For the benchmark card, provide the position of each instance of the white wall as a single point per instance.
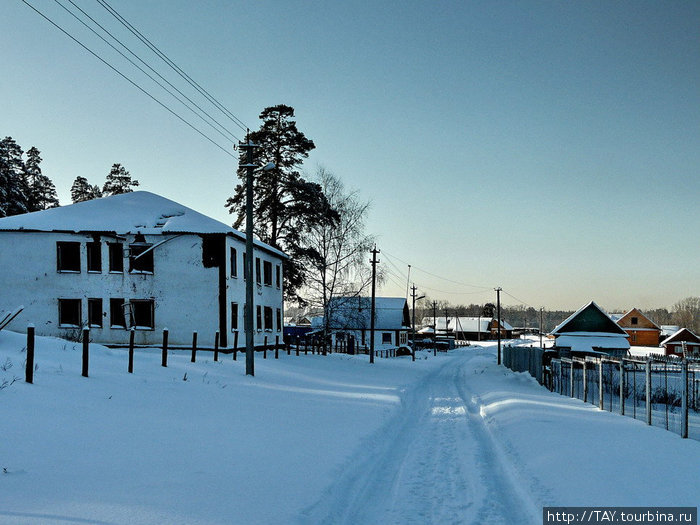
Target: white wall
(263, 295)
(186, 294)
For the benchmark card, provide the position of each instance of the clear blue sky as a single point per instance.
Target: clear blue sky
(551, 148)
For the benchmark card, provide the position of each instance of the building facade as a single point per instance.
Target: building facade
(641, 331)
(137, 261)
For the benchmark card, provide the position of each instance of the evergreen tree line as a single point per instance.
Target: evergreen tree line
(24, 188)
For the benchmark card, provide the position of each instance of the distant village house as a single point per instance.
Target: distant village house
(349, 321)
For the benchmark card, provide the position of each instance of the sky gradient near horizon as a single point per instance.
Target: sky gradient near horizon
(550, 148)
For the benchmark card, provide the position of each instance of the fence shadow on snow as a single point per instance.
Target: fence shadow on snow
(664, 392)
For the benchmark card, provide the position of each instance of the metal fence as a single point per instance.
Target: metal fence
(663, 392)
(524, 359)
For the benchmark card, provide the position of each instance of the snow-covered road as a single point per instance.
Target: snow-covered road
(436, 461)
(448, 439)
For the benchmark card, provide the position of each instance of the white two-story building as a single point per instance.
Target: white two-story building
(136, 260)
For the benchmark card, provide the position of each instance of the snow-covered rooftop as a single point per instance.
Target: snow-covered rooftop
(136, 212)
(587, 341)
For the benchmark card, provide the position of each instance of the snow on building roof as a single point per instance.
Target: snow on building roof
(587, 341)
(464, 324)
(391, 313)
(681, 335)
(128, 213)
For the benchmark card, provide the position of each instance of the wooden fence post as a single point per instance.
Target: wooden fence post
(235, 344)
(600, 384)
(86, 351)
(571, 378)
(216, 346)
(164, 356)
(288, 347)
(194, 347)
(622, 387)
(684, 399)
(265, 348)
(29, 368)
(585, 380)
(130, 368)
(277, 347)
(647, 375)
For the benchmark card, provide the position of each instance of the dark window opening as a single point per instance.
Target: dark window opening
(268, 318)
(69, 312)
(141, 259)
(635, 320)
(94, 257)
(234, 263)
(143, 310)
(257, 270)
(95, 313)
(234, 316)
(386, 338)
(279, 320)
(278, 275)
(259, 318)
(117, 319)
(68, 256)
(267, 272)
(116, 257)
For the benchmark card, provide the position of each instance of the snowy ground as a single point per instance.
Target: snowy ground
(312, 439)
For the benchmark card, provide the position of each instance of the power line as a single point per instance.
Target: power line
(225, 133)
(519, 300)
(133, 83)
(172, 64)
(438, 276)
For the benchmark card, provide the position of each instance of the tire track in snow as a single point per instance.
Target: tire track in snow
(509, 500)
(419, 468)
(435, 461)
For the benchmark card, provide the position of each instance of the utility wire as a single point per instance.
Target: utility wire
(438, 276)
(225, 133)
(164, 106)
(519, 300)
(172, 64)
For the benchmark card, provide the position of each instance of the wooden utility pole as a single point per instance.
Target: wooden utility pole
(541, 313)
(413, 324)
(498, 310)
(374, 262)
(447, 324)
(435, 320)
(249, 165)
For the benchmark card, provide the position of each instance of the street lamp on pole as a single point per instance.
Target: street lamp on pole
(250, 166)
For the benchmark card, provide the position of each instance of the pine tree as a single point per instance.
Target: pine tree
(285, 205)
(82, 190)
(42, 192)
(118, 181)
(13, 188)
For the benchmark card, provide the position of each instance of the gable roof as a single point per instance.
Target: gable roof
(391, 313)
(681, 335)
(590, 318)
(128, 213)
(634, 312)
